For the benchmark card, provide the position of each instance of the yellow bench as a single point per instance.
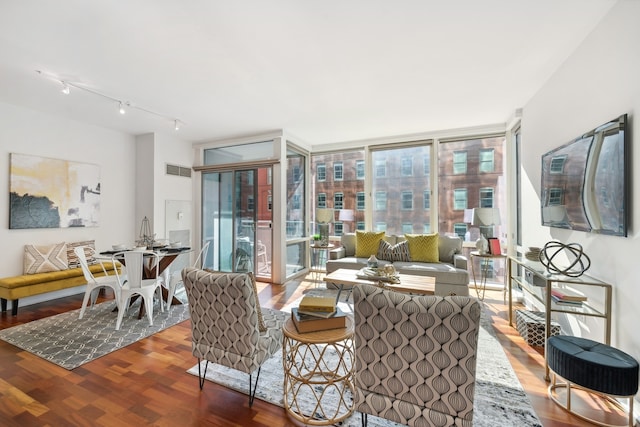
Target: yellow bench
(14, 288)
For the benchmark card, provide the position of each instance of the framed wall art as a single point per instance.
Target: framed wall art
(53, 193)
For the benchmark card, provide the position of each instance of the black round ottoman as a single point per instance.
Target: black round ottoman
(594, 367)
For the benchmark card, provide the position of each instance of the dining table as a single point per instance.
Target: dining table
(166, 255)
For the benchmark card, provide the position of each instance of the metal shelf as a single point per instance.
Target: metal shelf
(518, 267)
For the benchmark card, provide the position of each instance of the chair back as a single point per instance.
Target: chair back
(82, 259)
(134, 262)
(415, 356)
(224, 317)
(202, 256)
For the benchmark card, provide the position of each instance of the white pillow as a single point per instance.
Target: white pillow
(45, 258)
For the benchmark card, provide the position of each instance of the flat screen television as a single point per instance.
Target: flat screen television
(585, 184)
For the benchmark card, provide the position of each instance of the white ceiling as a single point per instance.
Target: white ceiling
(324, 70)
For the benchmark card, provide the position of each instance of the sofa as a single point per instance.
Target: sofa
(445, 262)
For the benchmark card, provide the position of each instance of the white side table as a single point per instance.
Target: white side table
(485, 264)
(319, 257)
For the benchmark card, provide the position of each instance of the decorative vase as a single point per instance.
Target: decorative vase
(482, 245)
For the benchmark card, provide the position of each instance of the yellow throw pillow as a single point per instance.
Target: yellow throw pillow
(423, 247)
(367, 243)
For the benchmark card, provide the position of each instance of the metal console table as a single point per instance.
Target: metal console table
(522, 272)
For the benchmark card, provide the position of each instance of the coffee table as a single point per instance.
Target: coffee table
(410, 283)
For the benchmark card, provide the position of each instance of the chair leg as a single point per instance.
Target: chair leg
(148, 306)
(252, 393)
(85, 301)
(363, 419)
(202, 376)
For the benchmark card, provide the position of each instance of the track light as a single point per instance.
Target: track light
(122, 106)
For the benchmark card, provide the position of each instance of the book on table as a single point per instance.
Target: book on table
(310, 323)
(321, 304)
(567, 295)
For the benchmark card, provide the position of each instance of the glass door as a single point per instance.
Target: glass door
(236, 218)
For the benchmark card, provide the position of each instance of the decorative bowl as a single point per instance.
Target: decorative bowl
(175, 245)
(140, 248)
(119, 247)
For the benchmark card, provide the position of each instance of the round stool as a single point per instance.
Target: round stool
(594, 367)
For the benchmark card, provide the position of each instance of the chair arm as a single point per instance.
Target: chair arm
(337, 253)
(460, 261)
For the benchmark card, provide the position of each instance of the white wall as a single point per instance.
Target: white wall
(598, 82)
(133, 182)
(30, 132)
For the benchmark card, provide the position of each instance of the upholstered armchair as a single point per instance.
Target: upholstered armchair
(228, 325)
(415, 356)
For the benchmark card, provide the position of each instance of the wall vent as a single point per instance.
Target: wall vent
(178, 170)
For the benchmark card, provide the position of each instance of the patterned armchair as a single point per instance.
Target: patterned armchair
(228, 325)
(415, 357)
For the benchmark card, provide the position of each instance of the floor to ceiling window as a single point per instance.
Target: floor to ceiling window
(296, 235)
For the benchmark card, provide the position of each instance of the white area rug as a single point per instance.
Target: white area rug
(499, 397)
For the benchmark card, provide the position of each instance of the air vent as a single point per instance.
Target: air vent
(178, 170)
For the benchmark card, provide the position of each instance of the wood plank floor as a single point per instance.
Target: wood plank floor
(146, 384)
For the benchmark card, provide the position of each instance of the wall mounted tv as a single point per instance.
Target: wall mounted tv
(585, 184)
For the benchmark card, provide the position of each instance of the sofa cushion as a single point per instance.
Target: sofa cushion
(45, 258)
(367, 243)
(423, 247)
(397, 252)
(348, 240)
(89, 253)
(448, 246)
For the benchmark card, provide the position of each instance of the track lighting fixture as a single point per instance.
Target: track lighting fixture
(122, 106)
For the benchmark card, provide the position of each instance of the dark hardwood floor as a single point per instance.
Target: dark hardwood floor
(146, 384)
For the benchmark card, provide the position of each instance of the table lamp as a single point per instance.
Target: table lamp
(345, 215)
(324, 216)
(485, 218)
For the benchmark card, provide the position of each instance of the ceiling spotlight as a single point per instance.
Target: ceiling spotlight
(176, 124)
(122, 110)
(65, 88)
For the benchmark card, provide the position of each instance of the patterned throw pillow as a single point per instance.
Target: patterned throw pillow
(397, 252)
(45, 258)
(89, 253)
(367, 243)
(423, 247)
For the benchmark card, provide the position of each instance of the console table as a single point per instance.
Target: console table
(535, 281)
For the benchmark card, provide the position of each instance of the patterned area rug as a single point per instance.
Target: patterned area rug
(499, 398)
(69, 342)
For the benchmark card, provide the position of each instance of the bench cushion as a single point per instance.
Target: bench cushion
(17, 287)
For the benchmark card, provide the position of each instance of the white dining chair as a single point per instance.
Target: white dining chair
(94, 283)
(136, 284)
(176, 276)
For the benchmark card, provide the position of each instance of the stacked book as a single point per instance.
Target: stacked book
(317, 313)
(567, 297)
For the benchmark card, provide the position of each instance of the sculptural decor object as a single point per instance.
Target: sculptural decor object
(579, 262)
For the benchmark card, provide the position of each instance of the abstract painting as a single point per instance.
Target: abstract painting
(53, 193)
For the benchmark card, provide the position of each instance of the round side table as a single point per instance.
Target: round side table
(318, 374)
(485, 264)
